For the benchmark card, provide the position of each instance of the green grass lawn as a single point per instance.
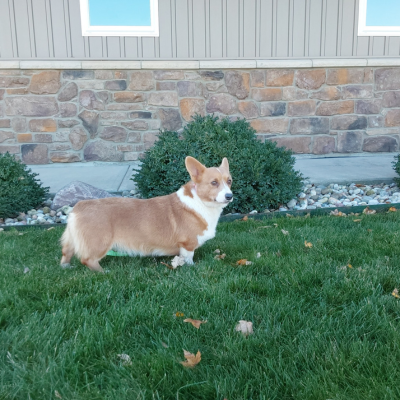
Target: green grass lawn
(322, 329)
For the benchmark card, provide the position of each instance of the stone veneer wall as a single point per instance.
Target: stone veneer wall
(114, 115)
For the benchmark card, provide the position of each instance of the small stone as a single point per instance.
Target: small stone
(292, 203)
(323, 200)
(310, 79)
(253, 212)
(26, 270)
(46, 210)
(373, 202)
(68, 92)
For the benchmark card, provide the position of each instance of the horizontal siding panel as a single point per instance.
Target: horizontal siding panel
(199, 29)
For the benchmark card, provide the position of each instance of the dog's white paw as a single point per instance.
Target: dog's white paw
(67, 266)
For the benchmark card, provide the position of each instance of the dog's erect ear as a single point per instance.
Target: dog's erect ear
(225, 164)
(195, 168)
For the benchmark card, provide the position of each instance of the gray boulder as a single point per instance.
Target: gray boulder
(76, 191)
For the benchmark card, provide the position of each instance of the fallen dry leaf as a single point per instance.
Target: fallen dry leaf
(258, 255)
(51, 228)
(275, 225)
(177, 261)
(58, 395)
(356, 220)
(245, 327)
(167, 265)
(179, 314)
(195, 322)
(264, 226)
(163, 344)
(289, 215)
(243, 261)
(245, 218)
(278, 253)
(368, 211)
(349, 266)
(285, 232)
(126, 360)
(1, 229)
(369, 230)
(20, 234)
(308, 244)
(220, 256)
(392, 209)
(217, 251)
(395, 293)
(26, 270)
(191, 359)
(337, 213)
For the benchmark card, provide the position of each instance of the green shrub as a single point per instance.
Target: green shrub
(396, 167)
(19, 190)
(263, 174)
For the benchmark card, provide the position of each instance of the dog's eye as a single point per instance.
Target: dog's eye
(229, 182)
(214, 183)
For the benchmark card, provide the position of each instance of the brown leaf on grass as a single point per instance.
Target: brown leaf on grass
(245, 218)
(308, 244)
(126, 360)
(167, 265)
(58, 395)
(195, 322)
(285, 232)
(349, 266)
(264, 226)
(163, 344)
(177, 261)
(392, 209)
(368, 211)
(289, 215)
(220, 256)
(179, 314)
(395, 293)
(243, 261)
(51, 228)
(356, 220)
(245, 327)
(275, 225)
(191, 359)
(278, 253)
(217, 251)
(337, 213)
(369, 230)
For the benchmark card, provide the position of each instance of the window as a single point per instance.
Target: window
(119, 17)
(379, 18)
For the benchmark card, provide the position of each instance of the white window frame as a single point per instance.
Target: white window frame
(88, 30)
(364, 30)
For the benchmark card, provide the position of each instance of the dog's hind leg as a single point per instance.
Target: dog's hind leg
(67, 249)
(92, 264)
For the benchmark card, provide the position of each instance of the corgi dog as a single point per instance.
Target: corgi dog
(176, 224)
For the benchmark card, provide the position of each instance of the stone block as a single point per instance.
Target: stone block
(368, 75)
(344, 76)
(300, 108)
(266, 94)
(387, 78)
(222, 103)
(78, 138)
(134, 137)
(299, 145)
(77, 74)
(309, 126)
(279, 77)
(392, 118)
(216, 86)
(391, 99)
(166, 99)
(186, 88)
(68, 92)
(324, 145)
(326, 93)
(119, 84)
(141, 80)
(100, 150)
(348, 122)
(61, 136)
(372, 106)
(67, 123)
(125, 106)
(237, 83)
(42, 125)
(189, 107)
(89, 100)
(270, 125)
(137, 125)
(12, 149)
(336, 107)
(149, 138)
(5, 123)
(114, 134)
(90, 120)
(46, 82)
(59, 146)
(170, 119)
(272, 109)
(113, 115)
(13, 82)
(2, 91)
(31, 106)
(128, 97)
(376, 121)
(34, 154)
(257, 78)
(248, 109)
(173, 75)
(310, 79)
(24, 138)
(17, 91)
(64, 157)
(292, 93)
(350, 142)
(43, 138)
(140, 114)
(5, 135)
(212, 75)
(90, 85)
(166, 85)
(380, 144)
(357, 92)
(120, 74)
(67, 110)
(103, 74)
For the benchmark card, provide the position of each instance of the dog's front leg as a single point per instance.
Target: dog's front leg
(187, 255)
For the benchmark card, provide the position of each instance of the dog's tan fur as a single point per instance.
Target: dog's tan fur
(160, 226)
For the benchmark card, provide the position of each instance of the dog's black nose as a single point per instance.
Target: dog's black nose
(229, 196)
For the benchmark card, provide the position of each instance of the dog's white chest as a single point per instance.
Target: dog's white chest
(208, 234)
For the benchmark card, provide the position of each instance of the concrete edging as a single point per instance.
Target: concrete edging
(201, 64)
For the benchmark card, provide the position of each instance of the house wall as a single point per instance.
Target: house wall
(195, 29)
(115, 115)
